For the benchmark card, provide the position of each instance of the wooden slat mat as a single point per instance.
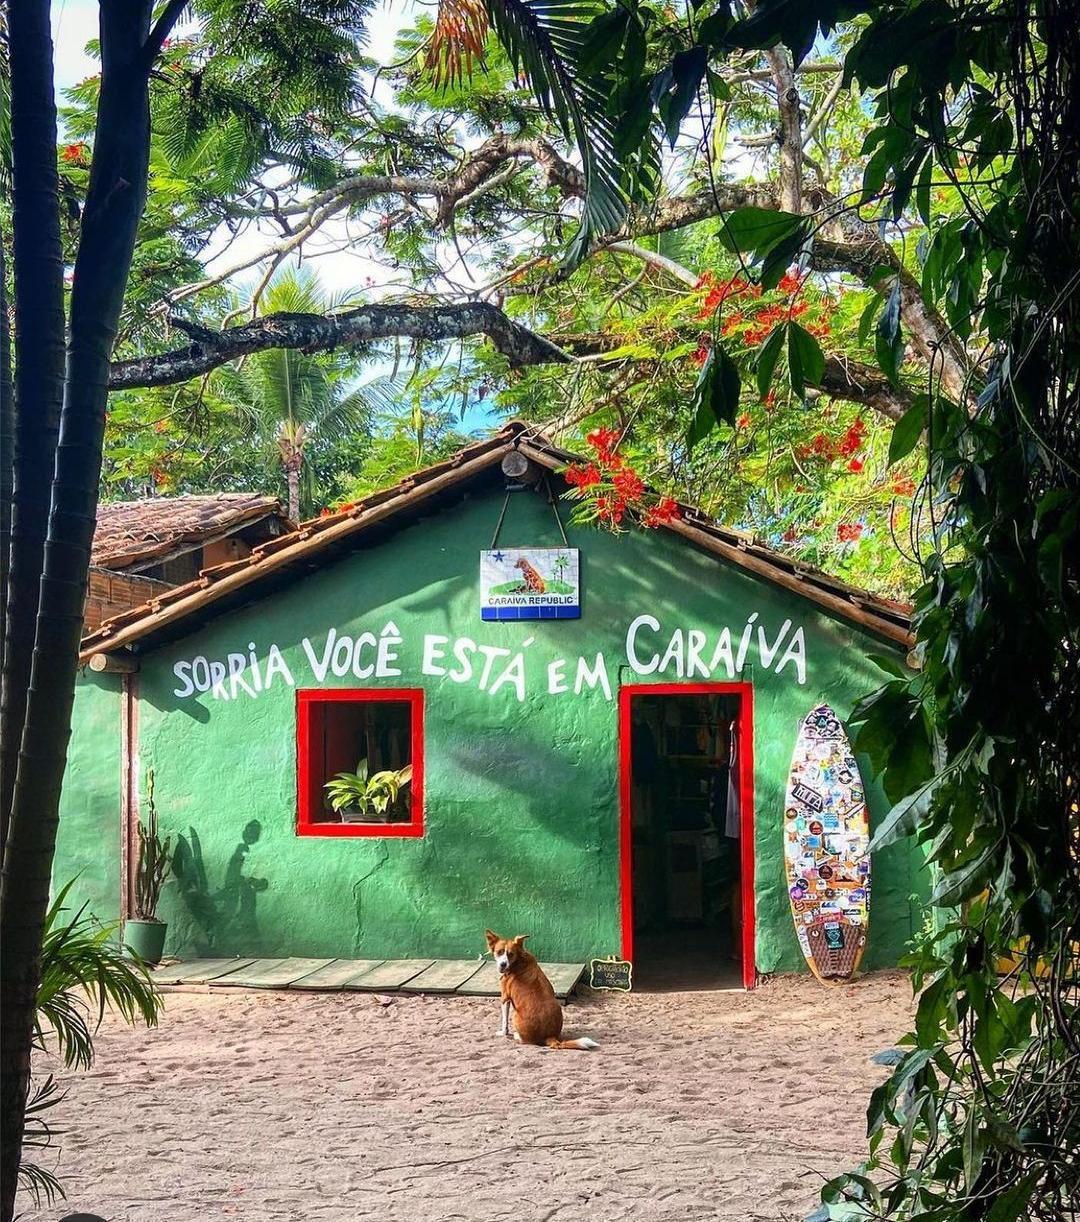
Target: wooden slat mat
(484, 984)
(444, 976)
(337, 974)
(198, 971)
(469, 977)
(391, 975)
(563, 976)
(270, 973)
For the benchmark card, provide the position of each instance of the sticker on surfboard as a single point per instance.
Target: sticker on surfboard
(826, 848)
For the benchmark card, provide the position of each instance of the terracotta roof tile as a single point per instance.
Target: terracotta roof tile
(138, 532)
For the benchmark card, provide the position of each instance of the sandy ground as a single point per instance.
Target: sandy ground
(717, 1105)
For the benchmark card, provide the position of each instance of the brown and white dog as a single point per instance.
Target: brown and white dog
(523, 987)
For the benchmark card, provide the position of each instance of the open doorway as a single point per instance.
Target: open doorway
(687, 827)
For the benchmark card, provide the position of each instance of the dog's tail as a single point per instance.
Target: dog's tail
(584, 1044)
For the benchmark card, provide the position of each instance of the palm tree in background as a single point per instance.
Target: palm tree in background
(290, 399)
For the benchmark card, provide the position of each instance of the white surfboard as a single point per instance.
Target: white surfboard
(826, 848)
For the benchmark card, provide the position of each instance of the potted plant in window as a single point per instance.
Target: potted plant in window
(359, 798)
(144, 934)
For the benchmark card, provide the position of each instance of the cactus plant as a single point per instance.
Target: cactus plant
(153, 859)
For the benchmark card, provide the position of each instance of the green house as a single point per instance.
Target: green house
(606, 774)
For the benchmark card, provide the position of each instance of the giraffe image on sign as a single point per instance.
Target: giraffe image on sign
(827, 848)
(530, 583)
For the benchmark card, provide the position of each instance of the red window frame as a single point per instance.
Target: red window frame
(308, 782)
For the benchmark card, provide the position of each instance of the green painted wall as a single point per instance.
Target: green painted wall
(88, 841)
(520, 795)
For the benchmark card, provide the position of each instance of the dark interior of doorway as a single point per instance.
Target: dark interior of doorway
(685, 842)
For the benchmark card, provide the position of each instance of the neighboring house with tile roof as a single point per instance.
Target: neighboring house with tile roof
(143, 548)
(365, 634)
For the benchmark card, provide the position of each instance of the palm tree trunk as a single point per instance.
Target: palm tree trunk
(292, 476)
(7, 465)
(114, 205)
(39, 371)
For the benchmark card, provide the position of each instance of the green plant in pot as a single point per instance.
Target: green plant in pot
(360, 798)
(144, 934)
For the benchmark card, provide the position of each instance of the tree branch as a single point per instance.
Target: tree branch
(789, 106)
(859, 383)
(322, 333)
(842, 378)
(161, 29)
(846, 246)
(676, 270)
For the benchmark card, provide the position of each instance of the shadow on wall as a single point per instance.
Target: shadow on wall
(229, 913)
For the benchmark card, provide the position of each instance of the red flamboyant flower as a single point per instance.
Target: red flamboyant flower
(743, 421)
(904, 486)
(628, 484)
(790, 282)
(855, 466)
(610, 509)
(852, 440)
(700, 355)
(664, 511)
(849, 532)
(583, 476)
(790, 536)
(719, 293)
(603, 441)
(770, 315)
(73, 153)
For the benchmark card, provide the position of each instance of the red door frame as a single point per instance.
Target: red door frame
(745, 692)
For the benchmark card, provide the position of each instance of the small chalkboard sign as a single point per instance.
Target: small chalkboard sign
(611, 974)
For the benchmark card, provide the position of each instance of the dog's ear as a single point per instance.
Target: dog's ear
(492, 938)
(520, 938)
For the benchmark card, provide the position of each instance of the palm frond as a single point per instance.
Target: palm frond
(82, 967)
(545, 40)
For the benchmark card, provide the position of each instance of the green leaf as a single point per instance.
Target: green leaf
(866, 318)
(904, 818)
(973, 1146)
(806, 361)
(888, 341)
(922, 191)
(890, 665)
(967, 880)
(768, 355)
(780, 257)
(908, 429)
(686, 73)
(1010, 1205)
(716, 396)
(757, 230)
(603, 39)
(931, 1017)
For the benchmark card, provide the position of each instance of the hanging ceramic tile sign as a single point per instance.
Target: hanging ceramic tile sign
(523, 583)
